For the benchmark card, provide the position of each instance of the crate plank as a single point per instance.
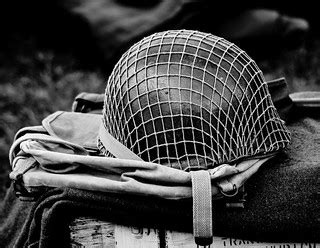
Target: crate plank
(90, 232)
(136, 237)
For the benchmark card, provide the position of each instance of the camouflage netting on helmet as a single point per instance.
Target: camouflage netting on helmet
(186, 98)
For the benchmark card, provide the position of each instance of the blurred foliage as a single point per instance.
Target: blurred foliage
(35, 82)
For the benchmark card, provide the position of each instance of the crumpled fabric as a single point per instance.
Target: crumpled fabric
(60, 163)
(116, 24)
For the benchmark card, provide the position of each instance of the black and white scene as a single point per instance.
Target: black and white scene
(159, 124)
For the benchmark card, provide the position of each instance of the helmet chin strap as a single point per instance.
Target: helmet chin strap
(116, 148)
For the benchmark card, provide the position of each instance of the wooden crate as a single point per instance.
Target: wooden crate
(89, 232)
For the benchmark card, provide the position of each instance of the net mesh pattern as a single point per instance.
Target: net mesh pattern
(191, 99)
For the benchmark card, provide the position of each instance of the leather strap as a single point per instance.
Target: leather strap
(202, 207)
(114, 146)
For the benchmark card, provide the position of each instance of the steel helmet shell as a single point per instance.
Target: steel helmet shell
(190, 99)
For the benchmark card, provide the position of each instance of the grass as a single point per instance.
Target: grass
(35, 82)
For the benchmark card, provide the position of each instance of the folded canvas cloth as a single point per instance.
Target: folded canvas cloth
(41, 160)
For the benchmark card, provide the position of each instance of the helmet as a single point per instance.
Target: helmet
(191, 100)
